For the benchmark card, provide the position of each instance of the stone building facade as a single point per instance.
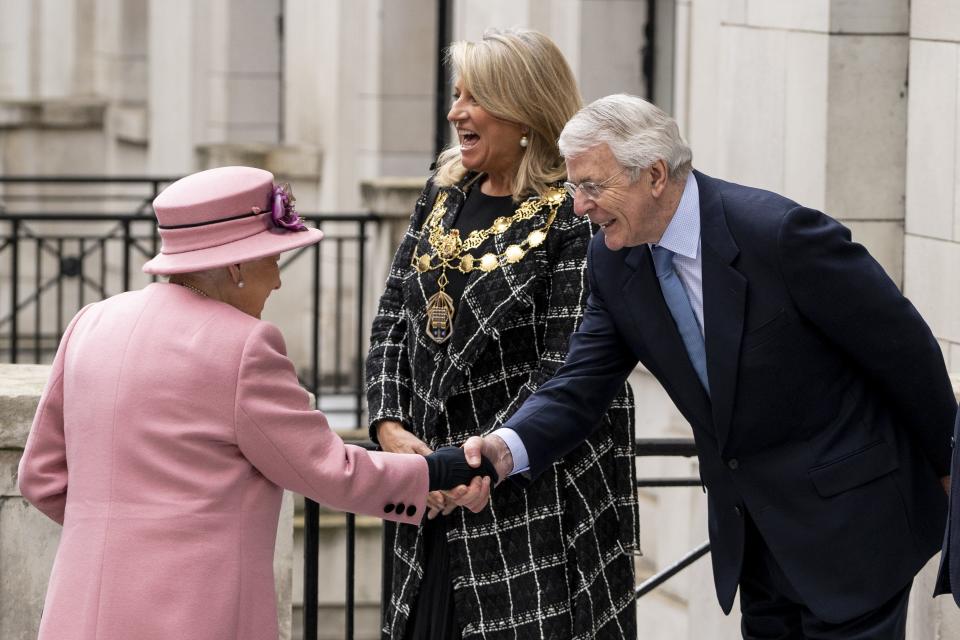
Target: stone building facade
(850, 106)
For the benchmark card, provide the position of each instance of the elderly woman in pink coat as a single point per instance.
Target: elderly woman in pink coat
(173, 419)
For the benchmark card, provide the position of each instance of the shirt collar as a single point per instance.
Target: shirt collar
(683, 233)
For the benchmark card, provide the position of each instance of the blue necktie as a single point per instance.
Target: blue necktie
(678, 302)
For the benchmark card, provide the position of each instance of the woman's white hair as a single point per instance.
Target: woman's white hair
(637, 132)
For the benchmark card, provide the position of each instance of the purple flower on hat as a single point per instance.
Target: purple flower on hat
(283, 214)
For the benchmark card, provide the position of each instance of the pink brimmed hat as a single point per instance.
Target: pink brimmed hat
(225, 216)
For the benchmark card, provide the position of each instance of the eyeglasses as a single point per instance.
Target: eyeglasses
(591, 190)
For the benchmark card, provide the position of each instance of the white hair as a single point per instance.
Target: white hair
(637, 132)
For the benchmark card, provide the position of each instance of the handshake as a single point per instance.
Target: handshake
(448, 468)
(458, 476)
(464, 476)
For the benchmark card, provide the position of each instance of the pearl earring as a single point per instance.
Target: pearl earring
(240, 285)
(524, 141)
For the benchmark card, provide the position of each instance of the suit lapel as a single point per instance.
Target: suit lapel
(663, 343)
(724, 302)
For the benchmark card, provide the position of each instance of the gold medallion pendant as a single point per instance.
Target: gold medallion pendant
(440, 317)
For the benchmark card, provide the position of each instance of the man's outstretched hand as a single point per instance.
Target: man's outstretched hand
(476, 495)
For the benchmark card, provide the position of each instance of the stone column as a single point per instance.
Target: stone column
(214, 70)
(393, 200)
(360, 87)
(603, 40)
(932, 256)
(807, 99)
(932, 252)
(28, 539)
(174, 88)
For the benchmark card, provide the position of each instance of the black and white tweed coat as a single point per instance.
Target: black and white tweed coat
(549, 560)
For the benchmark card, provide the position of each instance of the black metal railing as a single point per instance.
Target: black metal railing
(645, 448)
(59, 249)
(669, 447)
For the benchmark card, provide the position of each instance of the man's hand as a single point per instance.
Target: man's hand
(945, 480)
(476, 495)
(395, 438)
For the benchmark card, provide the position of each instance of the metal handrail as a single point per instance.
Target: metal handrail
(655, 581)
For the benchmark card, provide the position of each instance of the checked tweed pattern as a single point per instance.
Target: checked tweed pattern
(551, 560)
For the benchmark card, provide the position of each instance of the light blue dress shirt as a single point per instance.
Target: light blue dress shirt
(682, 236)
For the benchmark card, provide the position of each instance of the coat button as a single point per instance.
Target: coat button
(737, 510)
(411, 510)
(733, 463)
(400, 508)
(387, 508)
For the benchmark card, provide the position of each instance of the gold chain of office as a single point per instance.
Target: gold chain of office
(450, 252)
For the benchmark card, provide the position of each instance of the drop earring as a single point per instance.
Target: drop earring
(524, 141)
(240, 285)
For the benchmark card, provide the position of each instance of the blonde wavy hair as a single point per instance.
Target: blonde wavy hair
(517, 75)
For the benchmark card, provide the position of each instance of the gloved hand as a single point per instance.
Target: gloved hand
(448, 468)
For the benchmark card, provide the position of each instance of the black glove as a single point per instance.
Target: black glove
(448, 468)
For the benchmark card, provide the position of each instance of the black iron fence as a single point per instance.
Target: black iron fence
(68, 241)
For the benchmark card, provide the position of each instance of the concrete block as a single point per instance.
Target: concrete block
(407, 48)
(52, 152)
(9, 459)
(406, 124)
(129, 123)
(956, 167)
(873, 17)
(752, 107)
(809, 15)
(58, 50)
(935, 19)
(931, 618)
(16, 36)
(610, 48)
(20, 389)
(928, 267)
(707, 39)
(830, 16)
(805, 137)
(394, 197)
(173, 88)
(252, 98)
(28, 544)
(931, 140)
(733, 11)
(252, 38)
(867, 127)
(283, 562)
(884, 241)
(661, 614)
(472, 18)
(402, 163)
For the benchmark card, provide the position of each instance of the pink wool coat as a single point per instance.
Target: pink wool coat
(167, 428)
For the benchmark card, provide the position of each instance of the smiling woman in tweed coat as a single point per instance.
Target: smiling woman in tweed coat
(552, 559)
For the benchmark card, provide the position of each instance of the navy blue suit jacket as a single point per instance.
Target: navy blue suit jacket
(830, 412)
(948, 580)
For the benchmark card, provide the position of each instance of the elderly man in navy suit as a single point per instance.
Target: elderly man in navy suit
(818, 397)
